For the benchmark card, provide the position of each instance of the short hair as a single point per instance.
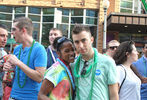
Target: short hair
(3, 26)
(24, 22)
(55, 29)
(78, 28)
(120, 54)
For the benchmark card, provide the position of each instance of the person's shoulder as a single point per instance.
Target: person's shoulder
(103, 57)
(37, 45)
(17, 47)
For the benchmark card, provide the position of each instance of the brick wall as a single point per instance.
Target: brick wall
(89, 4)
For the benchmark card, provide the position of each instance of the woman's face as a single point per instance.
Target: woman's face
(67, 52)
(134, 54)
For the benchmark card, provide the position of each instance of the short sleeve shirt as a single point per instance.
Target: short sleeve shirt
(105, 75)
(58, 76)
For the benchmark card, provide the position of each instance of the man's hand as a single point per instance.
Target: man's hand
(7, 66)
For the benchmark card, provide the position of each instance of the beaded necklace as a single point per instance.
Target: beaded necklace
(18, 69)
(91, 67)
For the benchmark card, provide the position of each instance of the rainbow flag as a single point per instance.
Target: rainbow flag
(144, 3)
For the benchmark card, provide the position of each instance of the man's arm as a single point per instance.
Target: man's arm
(143, 79)
(36, 75)
(113, 92)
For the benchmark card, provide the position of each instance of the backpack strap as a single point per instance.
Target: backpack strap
(123, 79)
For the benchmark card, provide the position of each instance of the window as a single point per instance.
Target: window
(20, 10)
(5, 16)
(91, 13)
(7, 9)
(34, 10)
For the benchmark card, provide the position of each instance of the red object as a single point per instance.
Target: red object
(7, 91)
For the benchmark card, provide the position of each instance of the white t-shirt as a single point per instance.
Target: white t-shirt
(130, 89)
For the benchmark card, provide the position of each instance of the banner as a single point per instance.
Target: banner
(144, 3)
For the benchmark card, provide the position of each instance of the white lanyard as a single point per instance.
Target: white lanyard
(52, 54)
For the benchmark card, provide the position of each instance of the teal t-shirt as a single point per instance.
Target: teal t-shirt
(105, 75)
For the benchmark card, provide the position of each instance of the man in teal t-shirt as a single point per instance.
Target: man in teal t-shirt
(94, 73)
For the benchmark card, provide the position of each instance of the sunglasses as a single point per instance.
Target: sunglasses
(83, 72)
(113, 47)
(61, 40)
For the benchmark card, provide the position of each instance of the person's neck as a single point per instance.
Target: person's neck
(51, 46)
(89, 55)
(145, 56)
(109, 54)
(127, 64)
(27, 42)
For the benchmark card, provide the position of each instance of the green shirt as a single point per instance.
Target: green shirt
(105, 75)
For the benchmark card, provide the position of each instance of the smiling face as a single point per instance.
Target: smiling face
(3, 37)
(67, 52)
(54, 34)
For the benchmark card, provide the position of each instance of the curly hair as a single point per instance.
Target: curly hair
(120, 55)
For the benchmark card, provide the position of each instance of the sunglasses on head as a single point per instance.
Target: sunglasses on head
(61, 40)
(113, 47)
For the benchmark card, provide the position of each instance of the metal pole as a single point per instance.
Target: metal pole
(105, 28)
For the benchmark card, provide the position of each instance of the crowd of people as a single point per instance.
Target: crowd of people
(69, 69)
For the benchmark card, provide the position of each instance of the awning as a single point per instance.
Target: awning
(127, 23)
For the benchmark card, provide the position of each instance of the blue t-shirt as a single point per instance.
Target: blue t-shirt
(38, 58)
(141, 66)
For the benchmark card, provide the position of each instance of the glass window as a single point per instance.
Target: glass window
(91, 13)
(136, 4)
(34, 10)
(64, 29)
(48, 10)
(126, 10)
(91, 21)
(36, 30)
(48, 18)
(45, 33)
(34, 18)
(76, 20)
(20, 9)
(65, 19)
(126, 4)
(6, 9)
(77, 12)
(5, 16)
(19, 15)
(64, 11)
(8, 24)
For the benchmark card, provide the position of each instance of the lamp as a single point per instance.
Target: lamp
(106, 5)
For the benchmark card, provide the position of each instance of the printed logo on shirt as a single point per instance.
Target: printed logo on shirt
(98, 72)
